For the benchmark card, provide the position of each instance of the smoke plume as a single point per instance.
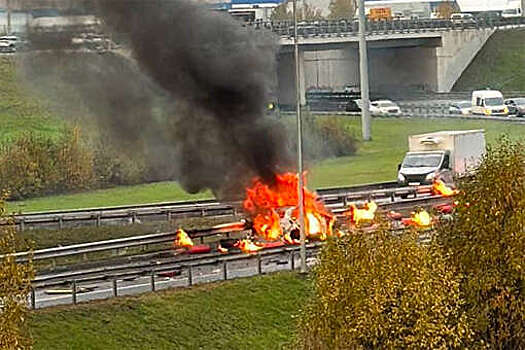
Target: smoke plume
(191, 98)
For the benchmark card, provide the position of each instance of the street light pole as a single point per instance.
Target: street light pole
(300, 187)
(8, 6)
(363, 68)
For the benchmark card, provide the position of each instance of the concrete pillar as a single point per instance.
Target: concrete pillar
(458, 49)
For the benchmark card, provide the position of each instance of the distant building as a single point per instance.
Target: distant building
(248, 10)
(408, 8)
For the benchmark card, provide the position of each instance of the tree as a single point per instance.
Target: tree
(341, 9)
(379, 291)
(446, 9)
(15, 285)
(486, 242)
(305, 12)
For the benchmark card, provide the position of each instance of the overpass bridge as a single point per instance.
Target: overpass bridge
(424, 55)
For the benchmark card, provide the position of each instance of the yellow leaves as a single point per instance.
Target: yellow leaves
(14, 288)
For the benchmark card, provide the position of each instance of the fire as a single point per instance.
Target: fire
(421, 218)
(274, 209)
(441, 188)
(220, 249)
(182, 240)
(366, 214)
(247, 246)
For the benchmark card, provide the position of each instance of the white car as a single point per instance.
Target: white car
(384, 107)
(7, 46)
(460, 107)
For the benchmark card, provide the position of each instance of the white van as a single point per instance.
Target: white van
(488, 102)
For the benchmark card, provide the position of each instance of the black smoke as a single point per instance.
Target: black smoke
(191, 98)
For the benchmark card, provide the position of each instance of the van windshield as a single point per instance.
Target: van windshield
(422, 160)
(493, 101)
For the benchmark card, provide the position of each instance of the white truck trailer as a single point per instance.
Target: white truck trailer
(443, 155)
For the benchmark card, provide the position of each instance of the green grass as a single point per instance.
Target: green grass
(498, 65)
(375, 161)
(19, 112)
(254, 313)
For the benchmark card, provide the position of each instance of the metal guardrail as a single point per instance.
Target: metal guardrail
(345, 27)
(165, 211)
(338, 205)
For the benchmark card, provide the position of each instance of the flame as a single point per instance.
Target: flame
(421, 218)
(222, 250)
(247, 246)
(366, 214)
(441, 188)
(266, 205)
(182, 240)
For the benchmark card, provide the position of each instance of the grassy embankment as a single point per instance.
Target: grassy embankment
(499, 65)
(254, 313)
(375, 161)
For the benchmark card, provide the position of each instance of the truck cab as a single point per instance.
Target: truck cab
(440, 155)
(420, 168)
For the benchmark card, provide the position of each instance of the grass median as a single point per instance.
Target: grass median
(253, 313)
(375, 161)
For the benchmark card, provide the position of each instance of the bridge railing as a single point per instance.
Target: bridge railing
(344, 27)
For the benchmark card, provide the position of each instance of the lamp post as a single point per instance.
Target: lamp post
(300, 188)
(363, 70)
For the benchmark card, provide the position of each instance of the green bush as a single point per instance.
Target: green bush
(486, 241)
(377, 291)
(323, 137)
(34, 165)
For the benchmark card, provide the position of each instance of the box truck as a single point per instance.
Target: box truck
(441, 155)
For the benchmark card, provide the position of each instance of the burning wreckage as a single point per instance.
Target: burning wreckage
(274, 217)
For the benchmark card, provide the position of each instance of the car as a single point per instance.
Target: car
(460, 107)
(381, 107)
(516, 106)
(465, 19)
(7, 46)
(384, 107)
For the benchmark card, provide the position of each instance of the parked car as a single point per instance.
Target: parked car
(516, 106)
(461, 107)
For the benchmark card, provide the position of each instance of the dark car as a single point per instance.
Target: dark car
(516, 106)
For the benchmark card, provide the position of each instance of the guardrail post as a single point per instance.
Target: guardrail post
(225, 270)
(168, 215)
(292, 260)
(99, 219)
(153, 280)
(74, 291)
(33, 298)
(60, 222)
(190, 276)
(115, 288)
(259, 264)
(22, 224)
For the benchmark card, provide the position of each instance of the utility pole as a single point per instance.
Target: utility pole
(363, 68)
(8, 5)
(300, 187)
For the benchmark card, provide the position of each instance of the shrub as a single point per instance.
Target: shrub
(377, 291)
(486, 241)
(323, 137)
(15, 284)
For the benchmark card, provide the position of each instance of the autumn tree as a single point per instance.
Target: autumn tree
(15, 285)
(305, 12)
(341, 9)
(446, 9)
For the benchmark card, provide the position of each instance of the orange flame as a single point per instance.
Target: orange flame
(266, 203)
(247, 246)
(439, 187)
(182, 240)
(222, 250)
(357, 215)
(421, 218)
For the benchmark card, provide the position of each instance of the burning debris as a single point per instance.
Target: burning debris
(439, 187)
(420, 218)
(247, 246)
(365, 214)
(182, 240)
(274, 210)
